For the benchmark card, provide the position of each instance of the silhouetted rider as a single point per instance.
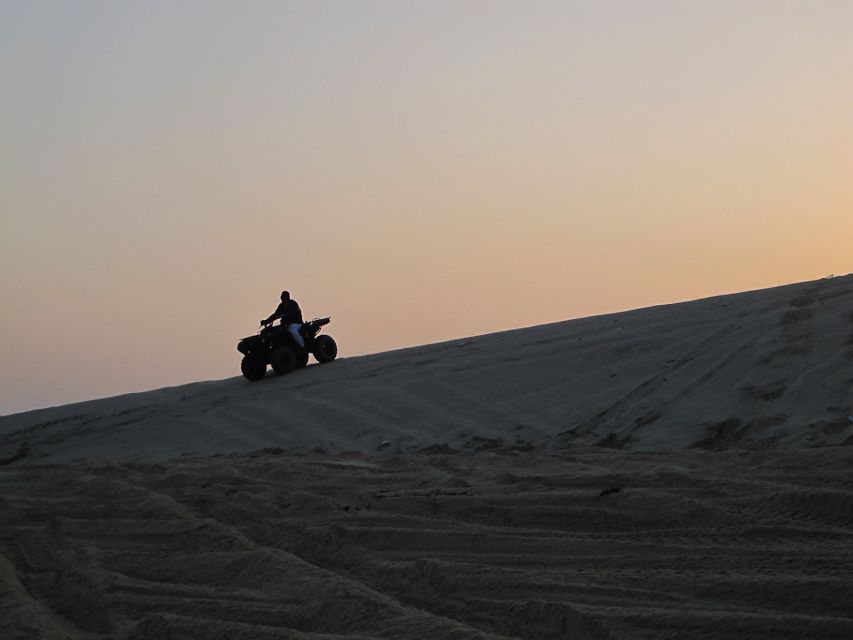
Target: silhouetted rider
(291, 317)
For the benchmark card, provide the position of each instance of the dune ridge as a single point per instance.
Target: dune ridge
(762, 368)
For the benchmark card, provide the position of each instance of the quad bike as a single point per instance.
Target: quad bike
(273, 345)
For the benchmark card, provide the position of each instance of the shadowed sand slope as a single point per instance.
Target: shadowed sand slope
(589, 544)
(499, 504)
(754, 369)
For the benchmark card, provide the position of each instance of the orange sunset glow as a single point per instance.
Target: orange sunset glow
(418, 171)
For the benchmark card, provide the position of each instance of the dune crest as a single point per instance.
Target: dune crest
(765, 368)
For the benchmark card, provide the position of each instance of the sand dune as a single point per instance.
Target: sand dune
(659, 474)
(753, 369)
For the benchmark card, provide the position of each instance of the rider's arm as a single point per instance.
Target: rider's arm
(275, 315)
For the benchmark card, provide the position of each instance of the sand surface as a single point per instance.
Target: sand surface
(502, 544)
(763, 368)
(676, 472)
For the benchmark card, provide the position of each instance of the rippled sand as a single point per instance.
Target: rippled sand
(505, 543)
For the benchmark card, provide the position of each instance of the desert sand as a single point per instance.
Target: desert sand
(681, 471)
(764, 367)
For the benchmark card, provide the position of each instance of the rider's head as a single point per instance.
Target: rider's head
(285, 296)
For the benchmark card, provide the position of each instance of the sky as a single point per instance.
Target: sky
(419, 171)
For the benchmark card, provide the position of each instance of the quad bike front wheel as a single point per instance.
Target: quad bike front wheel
(325, 349)
(253, 369)
(283, 360)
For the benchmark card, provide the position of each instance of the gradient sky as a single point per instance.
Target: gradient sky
(418, 170)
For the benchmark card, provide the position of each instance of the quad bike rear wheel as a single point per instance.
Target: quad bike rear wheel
(283, 360)
(325, 349)
(253, 369)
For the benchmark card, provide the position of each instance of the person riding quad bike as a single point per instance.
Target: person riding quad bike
(285, 346)
(291, 317)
